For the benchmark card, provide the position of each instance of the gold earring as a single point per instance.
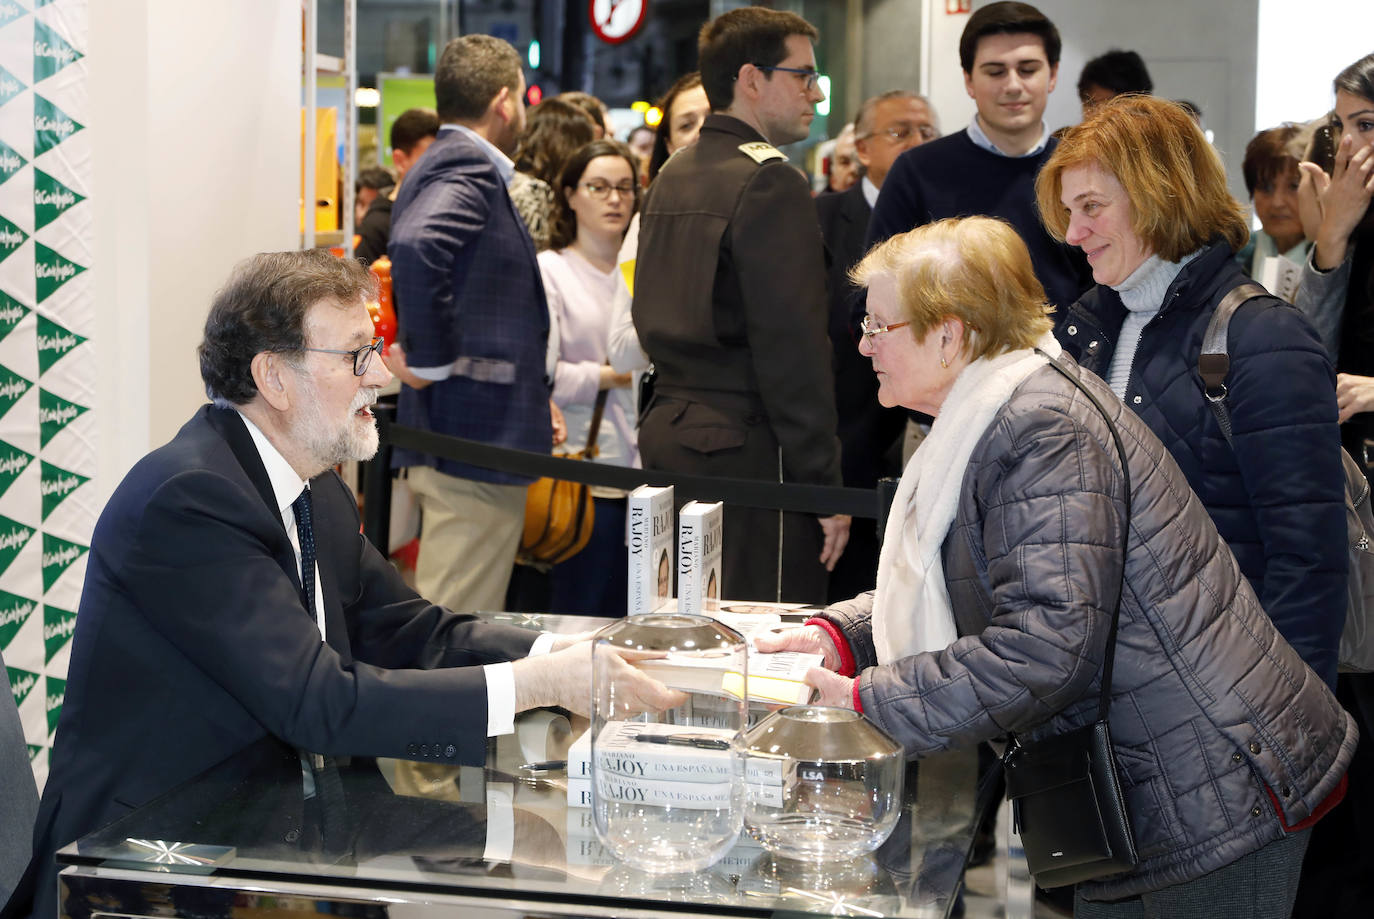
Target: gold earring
(944, 363)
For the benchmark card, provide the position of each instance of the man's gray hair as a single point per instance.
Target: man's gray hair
(863, 121)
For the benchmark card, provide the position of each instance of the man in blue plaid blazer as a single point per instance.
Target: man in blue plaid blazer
(474, 325)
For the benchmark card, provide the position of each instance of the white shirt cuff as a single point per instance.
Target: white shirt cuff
(500, 698)
(543, 644)
(433, 373)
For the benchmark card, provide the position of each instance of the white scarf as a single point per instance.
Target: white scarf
(911, 609)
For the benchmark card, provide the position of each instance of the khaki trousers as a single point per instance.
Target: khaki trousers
(469, 534)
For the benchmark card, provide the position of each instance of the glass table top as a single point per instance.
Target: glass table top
(506, 830)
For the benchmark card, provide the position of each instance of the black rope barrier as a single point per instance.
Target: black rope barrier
(821, 500)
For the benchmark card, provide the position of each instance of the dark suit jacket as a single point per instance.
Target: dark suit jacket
(867, 430)
(468, 290)
(192, 641)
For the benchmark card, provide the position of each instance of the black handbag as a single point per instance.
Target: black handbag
(1064, 790)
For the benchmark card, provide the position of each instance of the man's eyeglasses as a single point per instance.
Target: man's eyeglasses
(602, 190)
(362, 357)
(869, 326)
(809, 76)
(901, 133)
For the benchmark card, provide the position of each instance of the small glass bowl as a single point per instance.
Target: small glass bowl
(841, 789)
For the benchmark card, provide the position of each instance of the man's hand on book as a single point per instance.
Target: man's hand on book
(808, 639)
(564, 678)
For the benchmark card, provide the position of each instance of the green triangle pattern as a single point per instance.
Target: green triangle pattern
(53, 701)
(34, 750)
(10, 160)
(14, 612)
(58, 556)
(10, 11)
(51, 52)
(13, 461)
(50, 270)
(14, 536)
(12, 387)
(56, 483)
(21, 683)
(10, 85)
(53, 343)
(54, 414)
(11, 238)
(51, 199)
(12, 312)
(58, 625)
(51, 125)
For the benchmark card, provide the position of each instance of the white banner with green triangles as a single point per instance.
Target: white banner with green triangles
(47, 377)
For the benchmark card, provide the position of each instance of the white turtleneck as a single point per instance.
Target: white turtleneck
(1142, 293)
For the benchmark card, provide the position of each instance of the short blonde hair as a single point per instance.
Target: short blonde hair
(1173, 177)
(976, 269)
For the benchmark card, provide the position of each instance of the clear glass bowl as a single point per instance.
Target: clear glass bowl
(668, 787)
(841, 789)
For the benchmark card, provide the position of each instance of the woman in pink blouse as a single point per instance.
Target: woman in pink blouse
(597, 196)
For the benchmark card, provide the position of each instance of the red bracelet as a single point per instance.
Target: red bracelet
(846, 667)
(858, 703)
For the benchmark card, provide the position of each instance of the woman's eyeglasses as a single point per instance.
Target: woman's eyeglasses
(602, 190)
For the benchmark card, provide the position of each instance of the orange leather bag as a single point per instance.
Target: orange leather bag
(558, 513)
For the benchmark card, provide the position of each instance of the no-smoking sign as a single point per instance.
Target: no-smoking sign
(616, 20)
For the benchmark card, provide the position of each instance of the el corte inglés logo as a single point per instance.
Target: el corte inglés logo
(11, 237)
(13, 388)
(60, 414)
(62, 628)
(55, 483)
(62, 485)
(64, 556)
(16, 613)
(53, 343)
(63, 198)
(21, 682)
(60, 272)
(64, 54)
(62, 126)
(11, 312)
(15, 539)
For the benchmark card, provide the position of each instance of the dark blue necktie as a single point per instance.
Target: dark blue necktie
(305, 535)
(328, 805)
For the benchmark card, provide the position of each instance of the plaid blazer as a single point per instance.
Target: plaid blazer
(469, 296)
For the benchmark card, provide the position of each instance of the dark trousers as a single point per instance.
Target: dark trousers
(1338, 873)
(594, 581)
(766, 555)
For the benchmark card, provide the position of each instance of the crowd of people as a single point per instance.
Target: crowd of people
(954, 309)
(703, 260)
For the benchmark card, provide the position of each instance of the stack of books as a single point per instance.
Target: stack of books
(667, 765)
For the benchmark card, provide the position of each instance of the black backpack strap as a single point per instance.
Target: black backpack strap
(1214, 363)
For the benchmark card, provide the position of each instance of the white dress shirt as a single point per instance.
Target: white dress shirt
(286, 488)
(979, 137)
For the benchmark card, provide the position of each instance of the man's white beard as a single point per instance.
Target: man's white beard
(329, 445)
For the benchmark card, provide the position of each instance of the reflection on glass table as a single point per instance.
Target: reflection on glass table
(398, 838)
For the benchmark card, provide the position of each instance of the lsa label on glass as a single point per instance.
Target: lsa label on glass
(616, 20)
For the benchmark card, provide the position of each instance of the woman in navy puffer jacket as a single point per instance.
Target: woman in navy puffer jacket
(1141, 192)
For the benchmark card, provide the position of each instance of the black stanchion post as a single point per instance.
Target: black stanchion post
(377, 483)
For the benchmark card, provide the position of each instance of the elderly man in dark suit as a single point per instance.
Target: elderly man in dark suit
(886, 125)
(230, 596)
(474, 325)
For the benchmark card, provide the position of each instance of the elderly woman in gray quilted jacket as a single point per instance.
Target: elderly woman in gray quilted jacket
(999, 568)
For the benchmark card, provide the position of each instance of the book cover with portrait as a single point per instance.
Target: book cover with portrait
(698, 557)
(649, 536)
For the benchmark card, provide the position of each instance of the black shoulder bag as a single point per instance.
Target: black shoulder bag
(1064, 790)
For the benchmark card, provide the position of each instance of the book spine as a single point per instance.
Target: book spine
(646, 766)
(687, 795)
(689, 585)
(641, 584)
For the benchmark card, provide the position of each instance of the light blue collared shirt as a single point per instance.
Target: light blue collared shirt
(870, 191)
(975, 134)
(504, 165)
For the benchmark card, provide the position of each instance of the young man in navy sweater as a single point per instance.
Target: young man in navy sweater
(1010, 56)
